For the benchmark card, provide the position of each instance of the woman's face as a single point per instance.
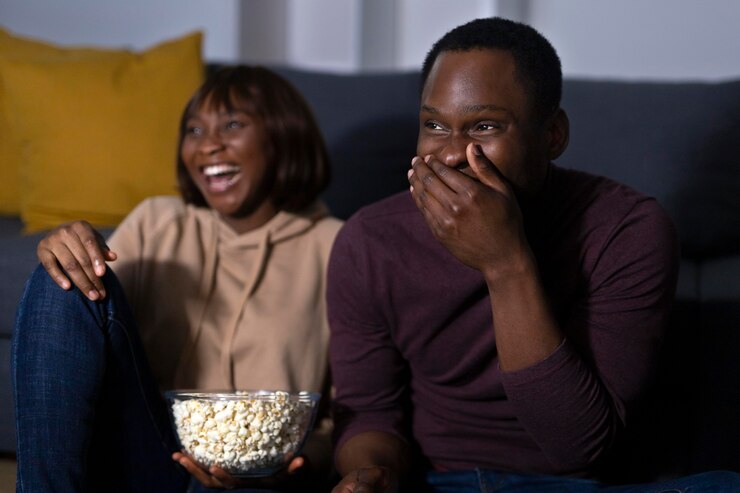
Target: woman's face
(225, 154)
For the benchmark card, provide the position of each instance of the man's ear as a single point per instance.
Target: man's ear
(558, 134)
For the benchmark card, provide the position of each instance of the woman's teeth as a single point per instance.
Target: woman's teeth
(220, 169)
(220, 177)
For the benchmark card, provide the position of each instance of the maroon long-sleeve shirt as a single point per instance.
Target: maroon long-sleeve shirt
(412, 338)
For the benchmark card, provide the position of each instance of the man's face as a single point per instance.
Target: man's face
(475, 96)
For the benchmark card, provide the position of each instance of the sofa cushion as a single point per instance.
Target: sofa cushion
(679, 142)
(98, 135)
(15, 47)
(17, 260)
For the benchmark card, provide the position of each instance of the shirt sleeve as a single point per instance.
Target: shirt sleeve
(575, 402)
(367, 369)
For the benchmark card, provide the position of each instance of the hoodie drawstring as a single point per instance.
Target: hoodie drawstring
(205, 291)
(250, 286)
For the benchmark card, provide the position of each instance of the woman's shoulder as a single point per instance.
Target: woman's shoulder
(156, 212)
(329, 225)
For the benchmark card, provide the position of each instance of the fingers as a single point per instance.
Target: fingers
(214, 477)
(76, 252)
(366, 480)
(296, 464)
(485, 170)
(221, 479)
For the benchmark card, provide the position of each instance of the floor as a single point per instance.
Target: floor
(7, 474)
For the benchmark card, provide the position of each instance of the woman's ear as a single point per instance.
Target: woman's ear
(558, 134)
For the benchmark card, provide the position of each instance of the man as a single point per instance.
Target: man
(499, 322)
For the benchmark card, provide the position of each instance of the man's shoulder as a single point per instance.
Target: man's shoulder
(601, 194)
(392, 221)
(602, 211)
(394, 208)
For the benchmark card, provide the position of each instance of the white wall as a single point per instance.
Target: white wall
(135, 24)
(633, 39)
(639, 39)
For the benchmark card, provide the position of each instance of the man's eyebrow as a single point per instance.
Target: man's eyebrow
(476, 108)
(473, 108)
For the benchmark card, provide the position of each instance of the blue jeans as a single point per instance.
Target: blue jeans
(486, 481)
(89, 414)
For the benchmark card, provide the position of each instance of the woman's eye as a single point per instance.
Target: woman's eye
(194, 131)
(234, 124)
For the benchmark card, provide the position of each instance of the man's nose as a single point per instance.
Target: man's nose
(453, 153)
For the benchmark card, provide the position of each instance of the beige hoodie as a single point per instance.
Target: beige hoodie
(219, 310)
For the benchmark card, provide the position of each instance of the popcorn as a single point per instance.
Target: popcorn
(258, 432)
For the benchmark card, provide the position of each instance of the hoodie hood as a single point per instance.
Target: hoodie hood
(226, 243)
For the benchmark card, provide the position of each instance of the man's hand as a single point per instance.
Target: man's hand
(215, 477)
(78, 250)
(372, 462)
(480, 223)
(368, 480)
(476, 217)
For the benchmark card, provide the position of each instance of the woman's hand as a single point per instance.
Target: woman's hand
(215, 477)
(79, 251)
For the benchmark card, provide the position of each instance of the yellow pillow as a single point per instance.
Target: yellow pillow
(21, 48)
(98, 135)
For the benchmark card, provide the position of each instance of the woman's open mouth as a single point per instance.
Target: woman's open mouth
(220, 177)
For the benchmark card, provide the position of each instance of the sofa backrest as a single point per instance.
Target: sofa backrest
(679, 142)
(370, 123)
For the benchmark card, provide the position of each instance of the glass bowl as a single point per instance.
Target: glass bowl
(247, 433)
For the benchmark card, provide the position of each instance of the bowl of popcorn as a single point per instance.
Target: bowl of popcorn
(246, 433)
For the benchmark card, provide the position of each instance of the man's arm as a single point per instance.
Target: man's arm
(481, 225)
(570, 399)
(367, 371)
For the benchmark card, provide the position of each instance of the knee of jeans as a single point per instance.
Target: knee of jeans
(42, 297)
(723, 478)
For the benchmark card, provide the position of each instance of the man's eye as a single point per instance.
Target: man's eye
(432, 125)
(485, 126)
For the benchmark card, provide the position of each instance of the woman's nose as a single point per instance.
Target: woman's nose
(211, 142)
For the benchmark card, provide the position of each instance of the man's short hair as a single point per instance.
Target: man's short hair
(537, 62)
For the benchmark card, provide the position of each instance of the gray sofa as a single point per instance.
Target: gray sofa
(677, 141)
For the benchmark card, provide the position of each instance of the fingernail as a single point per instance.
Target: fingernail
(414, 160)
(409, 173)
(427, 158)
(93, 295)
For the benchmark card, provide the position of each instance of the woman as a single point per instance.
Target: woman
(219, 289)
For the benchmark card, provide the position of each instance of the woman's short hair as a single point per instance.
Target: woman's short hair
(294, 144)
